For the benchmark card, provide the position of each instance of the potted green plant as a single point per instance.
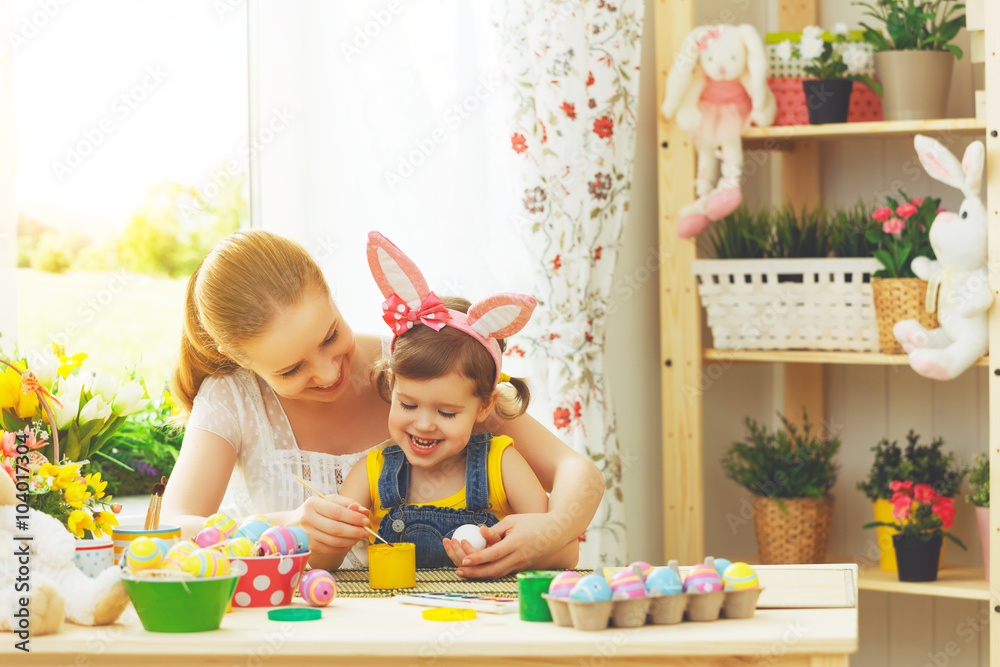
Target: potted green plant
(786, 278)
(833, 64)
(790, 473)
(921, 517)
(897, 292)
(922, 463)
(914, 55)
(979, 485)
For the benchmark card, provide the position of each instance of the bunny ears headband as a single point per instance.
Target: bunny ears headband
(408, 300)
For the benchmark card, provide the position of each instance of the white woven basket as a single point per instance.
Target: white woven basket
(787, 304)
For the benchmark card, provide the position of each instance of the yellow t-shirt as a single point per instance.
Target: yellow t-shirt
(499, 506)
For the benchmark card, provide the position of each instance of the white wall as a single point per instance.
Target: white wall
(863, 403)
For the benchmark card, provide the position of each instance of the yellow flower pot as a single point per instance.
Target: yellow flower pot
(882, 510)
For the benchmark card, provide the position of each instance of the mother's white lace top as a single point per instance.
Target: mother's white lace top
(243, 410)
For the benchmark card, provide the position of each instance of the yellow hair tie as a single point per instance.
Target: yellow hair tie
(503, 377)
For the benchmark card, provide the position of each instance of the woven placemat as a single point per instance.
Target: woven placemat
(354, 584)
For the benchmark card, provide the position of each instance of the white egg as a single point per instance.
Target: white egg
(471, 533)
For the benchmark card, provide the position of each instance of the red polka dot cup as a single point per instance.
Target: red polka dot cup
(269, 580)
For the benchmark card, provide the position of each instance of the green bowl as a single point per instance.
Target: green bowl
(183, 604)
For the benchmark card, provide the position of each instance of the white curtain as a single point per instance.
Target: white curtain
(573, 67)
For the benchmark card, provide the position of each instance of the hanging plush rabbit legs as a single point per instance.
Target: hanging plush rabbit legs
(958, 281)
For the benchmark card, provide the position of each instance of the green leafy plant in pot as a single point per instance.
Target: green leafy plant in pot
(979, 486)
(914, 55)
(790, 473)
(921, 463)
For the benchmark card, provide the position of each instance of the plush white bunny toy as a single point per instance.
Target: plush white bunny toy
(959, 285)
(716, 86)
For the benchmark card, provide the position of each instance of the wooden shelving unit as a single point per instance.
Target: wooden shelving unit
(811, 357)
(680, 311)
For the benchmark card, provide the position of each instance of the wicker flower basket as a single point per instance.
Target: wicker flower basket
(899, 299)
(798, 534)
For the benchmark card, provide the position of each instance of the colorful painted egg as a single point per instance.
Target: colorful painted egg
(301, 539)
(592, 588)
(721, 564)
(702, 579)
(178, 554)
(276, 540)
(740, 576)
(318, 587)
(206, 563)
(663, 581)
(163, 545)
(252, 530)
(208, 537)
(238, 547)
(627, 585)
(643, 567)
(225, 524)
(263, 518)
(563, 583)
(143, 554)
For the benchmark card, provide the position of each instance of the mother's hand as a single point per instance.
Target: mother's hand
(527, 539)
(333, 523)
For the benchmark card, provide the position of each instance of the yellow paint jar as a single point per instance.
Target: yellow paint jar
(392, 565)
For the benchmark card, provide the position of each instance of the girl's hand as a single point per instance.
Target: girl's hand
(524, 542)
(459, 551)
(334, 523)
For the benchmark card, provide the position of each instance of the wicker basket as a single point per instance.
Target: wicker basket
(785, 304)
(798, 535)
(899, 299)
(28, 380)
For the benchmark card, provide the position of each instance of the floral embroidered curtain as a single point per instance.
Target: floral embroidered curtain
(574, 69)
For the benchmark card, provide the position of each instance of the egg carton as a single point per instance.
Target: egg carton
(653, 609)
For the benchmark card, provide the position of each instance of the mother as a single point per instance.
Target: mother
(275, 385)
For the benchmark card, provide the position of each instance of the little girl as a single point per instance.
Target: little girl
(441, 380)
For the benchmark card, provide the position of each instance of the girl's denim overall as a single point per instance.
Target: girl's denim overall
(427, 525)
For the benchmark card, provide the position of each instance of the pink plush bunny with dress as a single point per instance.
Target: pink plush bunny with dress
(958, 281)
(716, 87)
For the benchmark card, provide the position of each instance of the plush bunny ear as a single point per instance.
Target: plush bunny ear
(394, 272)
(681, 70)
(972, 167)
(501, 315)
(939, 162)
(756, 59)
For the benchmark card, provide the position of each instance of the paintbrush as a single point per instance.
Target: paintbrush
(313, 489)
(155, 500)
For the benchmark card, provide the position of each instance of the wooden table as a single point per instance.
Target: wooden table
(386, 632)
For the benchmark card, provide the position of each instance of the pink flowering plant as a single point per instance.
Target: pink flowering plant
(906, 224)
(920, 512)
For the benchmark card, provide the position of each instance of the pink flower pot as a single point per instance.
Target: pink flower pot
(983, 519)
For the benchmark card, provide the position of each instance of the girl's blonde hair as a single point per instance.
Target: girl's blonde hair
(423, 354)
(232, 298)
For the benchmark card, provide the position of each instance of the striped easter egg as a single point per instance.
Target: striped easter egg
(206, 563)
(318, 588)
(627, 585)
(257, 517)
(143, 554)
(225, 524)
(663, 581)
(740, 576)
(276, 540)
(163, 545)
(563, 583)
(178, 554)
(720, 565)
(238, 547)
(252, 530)
(643, 567)
(301, 539)
(702, 579)
(209, 536)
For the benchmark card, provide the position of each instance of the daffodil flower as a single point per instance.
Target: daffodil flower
(106, 521)
(77, 494)
(95, 482)
(80, 521)
(67, 364)
(66, 475)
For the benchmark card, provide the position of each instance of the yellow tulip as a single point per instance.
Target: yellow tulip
(106, 521)
(77, 494)
(80, 521)
(13, 397)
